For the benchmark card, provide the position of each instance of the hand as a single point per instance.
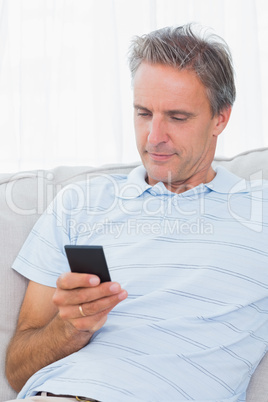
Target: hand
(85, 290)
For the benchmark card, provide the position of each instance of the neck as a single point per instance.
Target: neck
(184, 185)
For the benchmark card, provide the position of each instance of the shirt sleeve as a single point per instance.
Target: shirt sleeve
(42, 258)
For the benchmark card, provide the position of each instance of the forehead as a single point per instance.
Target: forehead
(166, 85)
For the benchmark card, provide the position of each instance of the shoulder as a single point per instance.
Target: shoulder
(226, 182)
(91, 187)
(111, 185)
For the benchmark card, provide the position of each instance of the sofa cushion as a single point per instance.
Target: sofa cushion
(248, 165)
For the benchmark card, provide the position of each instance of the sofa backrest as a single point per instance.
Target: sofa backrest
(23, 198)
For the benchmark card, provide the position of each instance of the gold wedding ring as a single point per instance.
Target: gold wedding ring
(81, 311)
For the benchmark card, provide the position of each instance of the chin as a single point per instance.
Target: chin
(158, 171)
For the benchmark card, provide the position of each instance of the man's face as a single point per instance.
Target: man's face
(176, 134)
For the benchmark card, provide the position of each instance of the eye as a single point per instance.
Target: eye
(143, 114)
(179, 118)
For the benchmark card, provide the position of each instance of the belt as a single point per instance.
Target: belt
(78, 398)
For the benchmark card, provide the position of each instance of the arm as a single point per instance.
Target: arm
(50, 325)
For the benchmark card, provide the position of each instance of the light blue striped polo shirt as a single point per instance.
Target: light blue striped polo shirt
(195, 265)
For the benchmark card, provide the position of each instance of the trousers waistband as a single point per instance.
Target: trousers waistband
(77, 398)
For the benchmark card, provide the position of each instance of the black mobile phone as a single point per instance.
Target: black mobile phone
(88, 260)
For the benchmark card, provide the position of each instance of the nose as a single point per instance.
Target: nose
(157, 132)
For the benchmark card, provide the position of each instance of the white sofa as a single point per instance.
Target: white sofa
(25, 195)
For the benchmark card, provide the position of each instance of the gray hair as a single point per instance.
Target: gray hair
(209, 57)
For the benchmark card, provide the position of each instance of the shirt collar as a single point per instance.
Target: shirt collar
(224, 182)
(136, 185)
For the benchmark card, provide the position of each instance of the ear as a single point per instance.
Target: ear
(221, 120)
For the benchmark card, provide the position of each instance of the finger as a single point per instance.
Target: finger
(96, 307)
(91, 323)
(92, 308)
(72, 280)
(85, 295)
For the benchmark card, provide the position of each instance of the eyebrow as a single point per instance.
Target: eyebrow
(183, 112)
(141, 107)
(168, 112)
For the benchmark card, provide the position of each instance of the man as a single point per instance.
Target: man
(185, 317)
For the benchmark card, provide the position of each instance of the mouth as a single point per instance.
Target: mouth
(160, 157)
